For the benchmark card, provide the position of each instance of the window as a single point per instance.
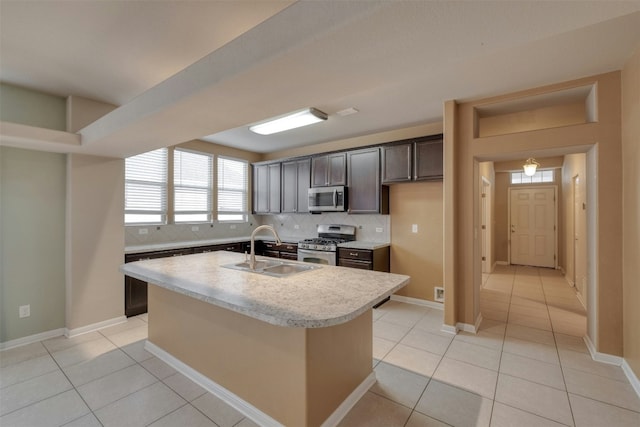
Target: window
(192, 186)
(145, 193)
(539, 176)
(232, 189)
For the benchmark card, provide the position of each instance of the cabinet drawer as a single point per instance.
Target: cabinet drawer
(361, 254)
(271, 253)
(355, 263)
(288, 247)
(289, 255)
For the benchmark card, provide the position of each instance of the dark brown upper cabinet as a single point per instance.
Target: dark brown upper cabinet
(266, 188)
(296, 176)
(412, 160)
(328, 170)
(366, 194)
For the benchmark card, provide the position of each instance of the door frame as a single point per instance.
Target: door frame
(487, 234)
(555, 227)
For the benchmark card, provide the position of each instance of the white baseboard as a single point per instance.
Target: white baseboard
(228, 397)
(418, 301)
(70, 333)
(631, 376)
(502, 262)
(19, 342)
(353, 398)
(602, 357)
(247, 409)
(581, 299)
(453, 330)
(569, 281)
(614, 360)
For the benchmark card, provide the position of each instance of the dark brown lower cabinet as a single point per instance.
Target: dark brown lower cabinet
(135, 290)
(365, 259)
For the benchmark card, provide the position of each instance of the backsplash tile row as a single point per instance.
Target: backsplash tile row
(370, 228)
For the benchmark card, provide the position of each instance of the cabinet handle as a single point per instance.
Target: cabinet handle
(352, 254)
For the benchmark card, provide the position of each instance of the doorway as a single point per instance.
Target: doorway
(532, 224)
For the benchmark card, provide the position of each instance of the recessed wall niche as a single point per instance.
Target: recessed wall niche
(544, 111)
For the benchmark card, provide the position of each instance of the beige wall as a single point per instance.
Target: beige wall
(563, 140)
(631, 209)
(32, 230)
(29, 107)
(95, 240)
(418, 255)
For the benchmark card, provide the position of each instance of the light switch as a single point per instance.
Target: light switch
(414, 228)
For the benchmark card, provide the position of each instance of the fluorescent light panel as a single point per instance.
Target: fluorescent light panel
(298, 119)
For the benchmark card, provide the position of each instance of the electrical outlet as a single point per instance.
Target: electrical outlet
(232, 226)
(296, 226)
(414, 228)
(438, 294)
(143, 231)
(24, 311)
(195, 228)
(378, 229)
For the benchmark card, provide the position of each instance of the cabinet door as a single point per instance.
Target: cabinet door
(337, 169)
(289, 187)
(261, 189)
(396, 163)
(303, 181)
(295, 186)
(320, 171)
(274, 188)
(428, 160)
(363, 171)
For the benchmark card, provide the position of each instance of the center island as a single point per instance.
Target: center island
(284, 351)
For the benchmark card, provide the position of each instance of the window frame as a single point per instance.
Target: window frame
(245, 192)
(530, 179)
(164, 192)
(210, 189)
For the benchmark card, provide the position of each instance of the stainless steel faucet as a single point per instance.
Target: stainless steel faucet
(252, 256)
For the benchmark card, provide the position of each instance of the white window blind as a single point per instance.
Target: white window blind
(193, 186)
(146, 188)
(232, 189)
(538, 177)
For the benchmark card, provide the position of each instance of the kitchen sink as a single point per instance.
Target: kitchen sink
(273, 268)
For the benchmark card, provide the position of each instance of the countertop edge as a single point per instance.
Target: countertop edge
(165, 282)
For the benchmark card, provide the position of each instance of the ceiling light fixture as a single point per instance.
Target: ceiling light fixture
(308, 116)
(530, 166)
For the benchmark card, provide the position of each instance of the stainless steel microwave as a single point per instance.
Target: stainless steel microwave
(328, 199)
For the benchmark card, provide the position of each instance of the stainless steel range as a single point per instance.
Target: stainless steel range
(323, 249)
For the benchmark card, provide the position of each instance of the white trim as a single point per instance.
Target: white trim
(418, 301)
(247, 409)
(601, 357)
(581, 299)
(466, 327)
(70, 333)
(502, 262)
(453, 330)
(19, 342)
(228, 397)
(568, 280)
(353, 398)
(631, 376)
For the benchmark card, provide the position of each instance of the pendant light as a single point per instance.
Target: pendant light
(530, 166)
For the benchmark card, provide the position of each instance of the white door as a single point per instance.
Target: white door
(533, 226)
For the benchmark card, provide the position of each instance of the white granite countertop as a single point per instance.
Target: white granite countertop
(317, 298)
(361, 244)
(196, 243)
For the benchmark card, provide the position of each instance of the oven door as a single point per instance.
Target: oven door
(317, 257)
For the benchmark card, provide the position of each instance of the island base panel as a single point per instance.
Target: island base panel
(297, 376)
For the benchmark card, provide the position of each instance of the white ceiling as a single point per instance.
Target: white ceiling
(182, 70)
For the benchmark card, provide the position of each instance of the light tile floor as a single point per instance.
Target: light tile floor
(528, 366)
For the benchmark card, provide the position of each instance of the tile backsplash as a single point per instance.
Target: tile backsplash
(371, 228)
